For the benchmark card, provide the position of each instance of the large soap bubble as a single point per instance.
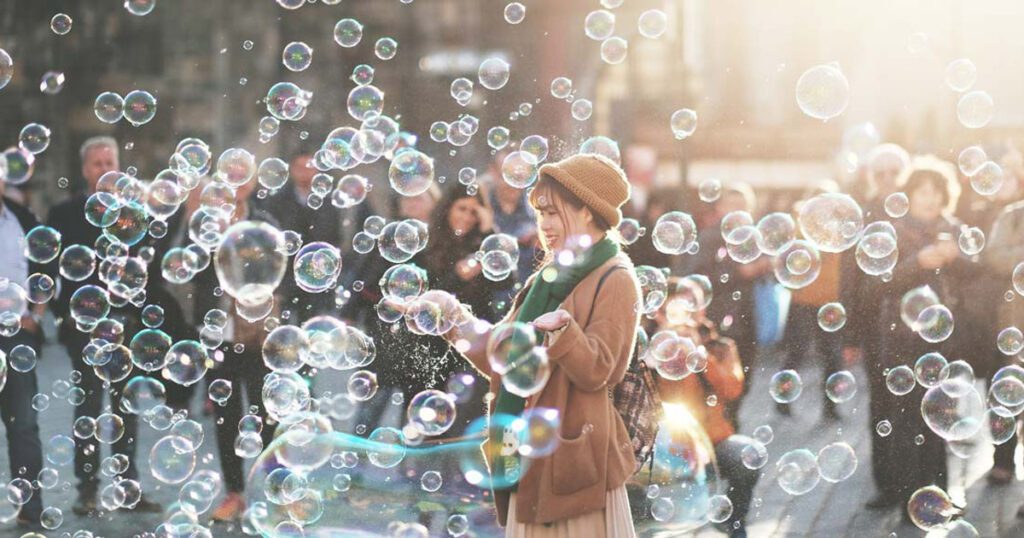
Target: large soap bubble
(832, 221)
(823, 92)
(250, 261)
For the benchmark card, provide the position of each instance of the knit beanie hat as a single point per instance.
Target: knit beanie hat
(597, 181)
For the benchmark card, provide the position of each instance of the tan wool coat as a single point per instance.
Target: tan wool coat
(594, 454)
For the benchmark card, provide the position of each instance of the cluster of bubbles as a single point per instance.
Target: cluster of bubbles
(137, 107)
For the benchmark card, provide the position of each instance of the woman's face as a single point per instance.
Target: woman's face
(417, 207)
(557, 221)
(462, 218)
(926, 202)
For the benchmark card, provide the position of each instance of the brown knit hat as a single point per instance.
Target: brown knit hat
(597, 181)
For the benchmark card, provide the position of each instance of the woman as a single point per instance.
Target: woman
(928, 256)
(578, 490)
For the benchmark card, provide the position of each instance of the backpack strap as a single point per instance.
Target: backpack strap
(597, 291)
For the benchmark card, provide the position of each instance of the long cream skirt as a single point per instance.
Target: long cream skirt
(614, 521)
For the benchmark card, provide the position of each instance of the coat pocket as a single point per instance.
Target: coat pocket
(573, 466)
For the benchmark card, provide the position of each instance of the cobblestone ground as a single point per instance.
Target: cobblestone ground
(829, 510)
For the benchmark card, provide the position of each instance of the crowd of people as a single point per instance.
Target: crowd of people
(459, 219)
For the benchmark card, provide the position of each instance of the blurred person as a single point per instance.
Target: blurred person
(402, 355)
(982, 323)
(722, 379)
(337, 226)
(732, 309)
(860, 294)
(99, 156)
(643, 252)
(1004, 251)
(514, 216)
(579, 490)
(21, 421)
(803, 334)
(928, 256)
(238, 360)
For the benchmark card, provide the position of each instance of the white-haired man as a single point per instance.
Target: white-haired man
(99, 156)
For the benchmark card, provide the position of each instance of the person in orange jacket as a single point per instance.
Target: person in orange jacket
(706, 393)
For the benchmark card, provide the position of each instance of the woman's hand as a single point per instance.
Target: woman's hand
(931, 257)
(552, 321)
(468, 269)
(485, 217)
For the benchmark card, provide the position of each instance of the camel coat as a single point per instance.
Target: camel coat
(594, 455)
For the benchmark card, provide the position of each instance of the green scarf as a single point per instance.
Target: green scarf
(544, 295)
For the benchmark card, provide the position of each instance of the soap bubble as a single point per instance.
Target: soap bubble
(841, 386)
(798, 265)
(1002, 424)
(930, 508)
(777, 231)
(139, 107)
(823, 92)
(362, 386)
(695, 292)
(900, 380)
(683, 123)
(431, 412)
(581, 109)
(139, 8)
(599, 25)
(970, 160)
(60, 24)
(652, 23)
(34, 138)
(297, 56)
(348, 33)
(754, 455)
(186, 362)
(988, 178)
(498, 255)
(561, 87)
(831, 317)
(52, 82)
(317, 267)
(897, 204)
(411, 173)
(961, 75)
(785, 386)
(930, 368)
(674, 232)
(1010, 341)
(42, 244)
(971, 240)
(653, 288)
(975, 109)
(89, 304)
(519, 169)
(142, 394)
(149, 349)
(365, 102)
(935, 323)
(286, 349)
(250, 261)
(168, 463)
(614, 49)
(837, 462)
(515, 13)
(109, 107)
(953, 410)
(602, 145)
(914, 302)
(493, 73)
(710, 189)
(798, 471)
(832, 221)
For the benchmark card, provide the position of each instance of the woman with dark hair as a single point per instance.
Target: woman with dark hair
(584, 308)
(461, 222)
(928, 256)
